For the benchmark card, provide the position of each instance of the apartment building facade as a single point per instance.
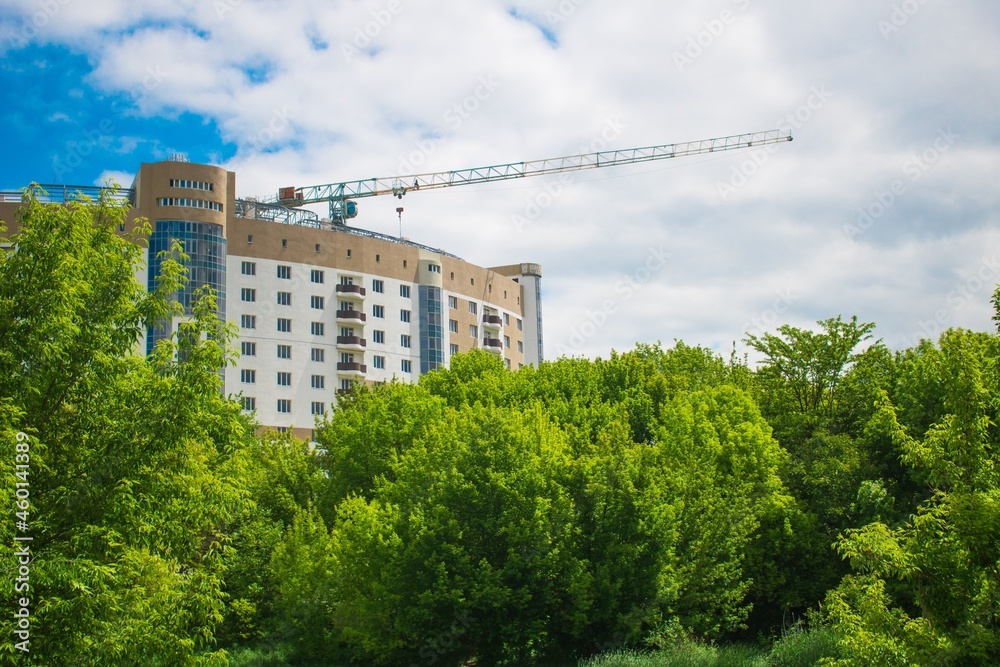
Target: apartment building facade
(320, 306)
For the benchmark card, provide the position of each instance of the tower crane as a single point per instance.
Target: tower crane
(341, 196)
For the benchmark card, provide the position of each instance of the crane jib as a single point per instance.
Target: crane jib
(338, 194)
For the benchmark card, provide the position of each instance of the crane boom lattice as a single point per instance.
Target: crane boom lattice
(339, 194)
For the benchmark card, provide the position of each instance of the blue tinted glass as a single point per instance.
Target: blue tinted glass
(206, 265)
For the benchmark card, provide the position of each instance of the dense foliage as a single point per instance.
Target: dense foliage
(661, 499)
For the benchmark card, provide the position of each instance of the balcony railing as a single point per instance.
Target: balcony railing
(350, 289)
(494, 343)
(351, 315)
(351, 367)
(354, 341)
(493, 320)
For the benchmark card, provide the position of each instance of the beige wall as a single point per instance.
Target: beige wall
(153, 182)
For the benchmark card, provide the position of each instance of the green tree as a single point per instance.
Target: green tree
(283, 479)
(929, 588)
(545, 513)
(818, 391)
(131, 460)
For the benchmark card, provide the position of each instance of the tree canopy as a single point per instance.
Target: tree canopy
(657, 497)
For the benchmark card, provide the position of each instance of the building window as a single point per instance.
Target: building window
(189, 203)
(284, 325)
(404, 340)
(317, 247)
(404, 316)
(248, 349)
(194, 185)
(378, 337)
(318, 381)
(404, 263)
(348, 253)
(474, 331)
(507, 361)
(520, 346)
(249, 403)
(284, 379)
(248, 294)
(317, 408)
(520, 325)
(248, 321)
(248, 376)
(473, 308)
(284, 351)
(284, 272)
(506, 342)
(318, 354)
(284, 298)
(284, 406)
(248, 268)
(453, 302)
(406, 366)
(453, 349)
(434, 268)
(316, 328)
(452, 275)
(378, 361)
(453, 326)
(316, 276)
(316, 302)
(404, 291)
(378, 286)
(346, 385)
(506, 319)
(284, 243)
(249, 239)
(378, 311)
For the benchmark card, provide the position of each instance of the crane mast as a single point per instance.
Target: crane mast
(340, 196)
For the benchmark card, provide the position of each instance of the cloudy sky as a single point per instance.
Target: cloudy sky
(885, 206)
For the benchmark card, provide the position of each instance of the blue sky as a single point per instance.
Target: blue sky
(885, 206)
(64, 131)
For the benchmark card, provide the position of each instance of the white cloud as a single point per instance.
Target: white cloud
(122, 178)
(301, 115)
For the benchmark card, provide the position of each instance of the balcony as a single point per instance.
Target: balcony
(352, 343)
(350, 290)
(351, 368)
(493, 345)
(492, 322)
(351, 316)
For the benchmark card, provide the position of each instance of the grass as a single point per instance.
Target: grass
(273, 657)
(799, 648)
(686, 655)
(804, 648)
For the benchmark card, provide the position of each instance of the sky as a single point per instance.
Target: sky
(884, 207)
